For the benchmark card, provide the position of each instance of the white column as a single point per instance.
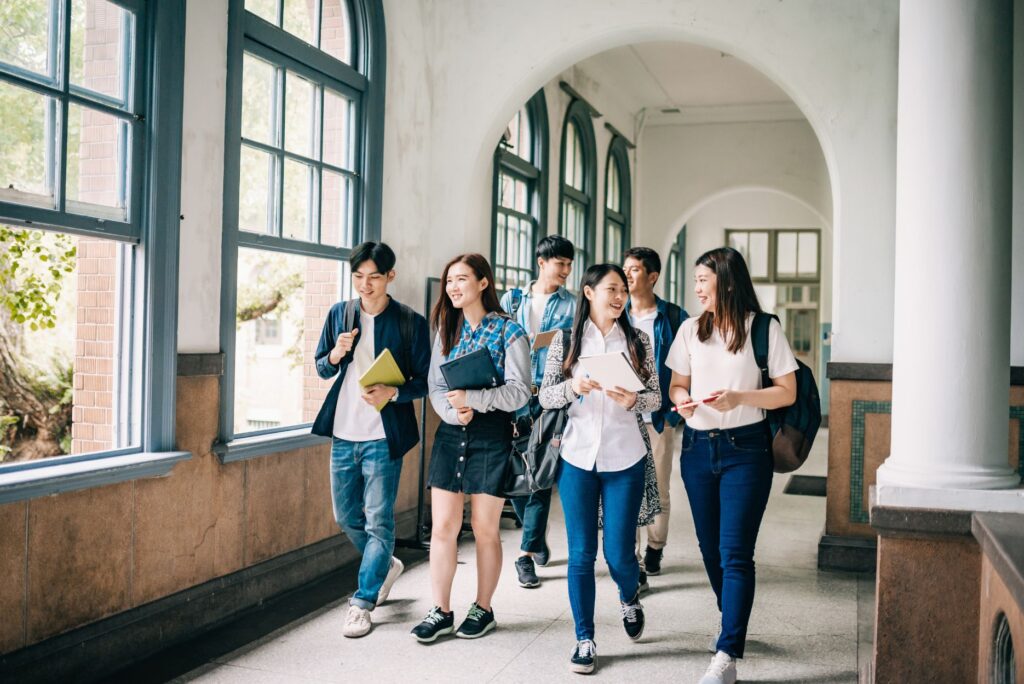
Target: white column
(951, 357)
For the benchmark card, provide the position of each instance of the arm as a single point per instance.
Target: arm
(556, 390)
(328, 338)
(781, 393)
(515, 393)
(416, 386)
(649, 398)
(438, 388)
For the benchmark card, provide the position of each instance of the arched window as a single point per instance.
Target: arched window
(676, 270)
(579, 177)
(302, 187)
(519, 196)
(617, 204)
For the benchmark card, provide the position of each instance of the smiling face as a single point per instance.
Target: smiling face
(607, 298)
(462, 285)
(705, 285)
(369, 283)
(555, 270)
(641, 283)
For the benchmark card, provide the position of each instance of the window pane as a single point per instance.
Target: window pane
(298, 200)
(808, 255)
(276, 383)
(512, 246)
(299, 115)
(741, 243)
(336, 30)
(97, 163)
(266, 9)
(300, 19)
(570, 154)
(500, 240)
(337, 129)
(758, 261)
(577, 168)
(27, 143)
(259, 106)
(25, 30)
(100, 47)
(522, 197)
(524, 148)
(255, 190)
(336, 211)
(785, 259)
(506, 185)
(64, 338)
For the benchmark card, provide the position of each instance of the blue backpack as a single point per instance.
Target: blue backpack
(793, 427)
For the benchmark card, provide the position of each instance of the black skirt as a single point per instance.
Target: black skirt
(473, 458)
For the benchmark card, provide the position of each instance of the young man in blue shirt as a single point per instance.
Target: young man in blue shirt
(544, 305)
(368, 445)
(660, 320)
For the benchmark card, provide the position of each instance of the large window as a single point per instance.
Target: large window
(579, 176)
(302, 187)
(778, 255)
(617, 201)
(520, 161)
(676, 270)
(89, 158)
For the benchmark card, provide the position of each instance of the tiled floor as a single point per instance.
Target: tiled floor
(807, 626)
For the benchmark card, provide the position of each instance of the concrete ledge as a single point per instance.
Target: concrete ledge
(839, 370)
(920, 522)
(1001, 537)
(851, 554)
(200, 364)
(272, 443)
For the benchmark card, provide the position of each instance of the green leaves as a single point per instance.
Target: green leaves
(33, 266)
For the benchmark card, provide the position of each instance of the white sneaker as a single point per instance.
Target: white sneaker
(722, 670)
(396, 569)
(357, 622)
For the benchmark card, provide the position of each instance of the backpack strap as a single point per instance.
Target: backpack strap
(675, 316)
(351, 312)
(517, 302)
(759, 340)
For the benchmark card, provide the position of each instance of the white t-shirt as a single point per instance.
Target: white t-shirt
(354, 419)
(645, 322)
(711, 367)
(538, 303)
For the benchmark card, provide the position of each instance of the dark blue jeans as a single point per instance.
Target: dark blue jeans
(620, 492)
(728, 476)
(533, 509)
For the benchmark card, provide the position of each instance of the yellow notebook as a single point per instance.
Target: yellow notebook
(383, 371)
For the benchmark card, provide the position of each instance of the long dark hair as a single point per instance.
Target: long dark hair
(445, 318)
(734, 298)
(637, 352)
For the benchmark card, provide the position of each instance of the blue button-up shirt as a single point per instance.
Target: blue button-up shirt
(663, 337)
(558, 315)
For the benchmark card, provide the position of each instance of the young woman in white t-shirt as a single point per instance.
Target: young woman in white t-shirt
(726, 460)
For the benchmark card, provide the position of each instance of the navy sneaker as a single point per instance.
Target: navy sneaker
(526, 572)
(644, 586)
(584, 658)
(542, 557)
(633, 618)
(478, 622)
(652, 560)
(437, 623)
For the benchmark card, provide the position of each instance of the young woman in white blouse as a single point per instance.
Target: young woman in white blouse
(726, 459)
(606, 453)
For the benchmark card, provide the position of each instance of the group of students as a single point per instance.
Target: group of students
(616, 451)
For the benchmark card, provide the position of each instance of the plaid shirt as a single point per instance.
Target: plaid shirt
(495, 334)
(558, 315)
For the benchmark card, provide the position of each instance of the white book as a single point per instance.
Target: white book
(612, 370)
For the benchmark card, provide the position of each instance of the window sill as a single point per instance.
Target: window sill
(244, 448)
(42, 480)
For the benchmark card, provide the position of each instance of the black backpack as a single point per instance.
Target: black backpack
(405, 331)
(793, 427)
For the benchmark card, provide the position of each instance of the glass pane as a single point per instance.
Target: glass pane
(499, 236)
(25, 32)
(27, 142)
(577, 170)
(276, 383)
(298, 200)
(570, 154)
(63, 342)
(255, 190)
(524, 148)
(336, 30)
(522, 197)
(299, 115)
(300, 19)
(506, 185)
(337, 129)
(758, 261)
(266, 9)
(808, 255)
(336, 210)
(259, 101)
(512, 246)
(100, 47)
(740, 242)
(785, 258)
(612, 198)
(97, 163)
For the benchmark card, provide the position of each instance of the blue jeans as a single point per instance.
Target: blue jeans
(533, 509)
(728, 476)
(364, 484)
(620, 493)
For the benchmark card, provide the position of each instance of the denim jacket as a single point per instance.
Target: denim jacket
(663, 337)
(558, 315)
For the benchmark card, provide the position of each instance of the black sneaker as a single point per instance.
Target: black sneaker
(652, 560)
(437, 623)
(584, 658)
(477, 623)
(527, 574)
(542, 557)
(644, 586)
(633, 618)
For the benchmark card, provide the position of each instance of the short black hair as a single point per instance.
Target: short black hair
(555, 247)
(377, 252)
(645, 255)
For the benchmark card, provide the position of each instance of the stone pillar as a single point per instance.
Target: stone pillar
(951, 355)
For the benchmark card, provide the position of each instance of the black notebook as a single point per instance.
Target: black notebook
(475, 370)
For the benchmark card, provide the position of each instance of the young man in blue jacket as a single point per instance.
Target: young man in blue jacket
(660, 320)
(367, 444)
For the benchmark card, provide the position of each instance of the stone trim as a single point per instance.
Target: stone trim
(882, 372)
(857, 422)
(891, 521)
(190, 365)
(1001, 536)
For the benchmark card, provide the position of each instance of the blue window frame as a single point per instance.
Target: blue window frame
(579, 180)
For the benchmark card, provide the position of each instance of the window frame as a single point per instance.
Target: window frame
(773, 277)
(364, 80)
(618, 158)
(153, 228)
(579, 113)
(535, 176)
